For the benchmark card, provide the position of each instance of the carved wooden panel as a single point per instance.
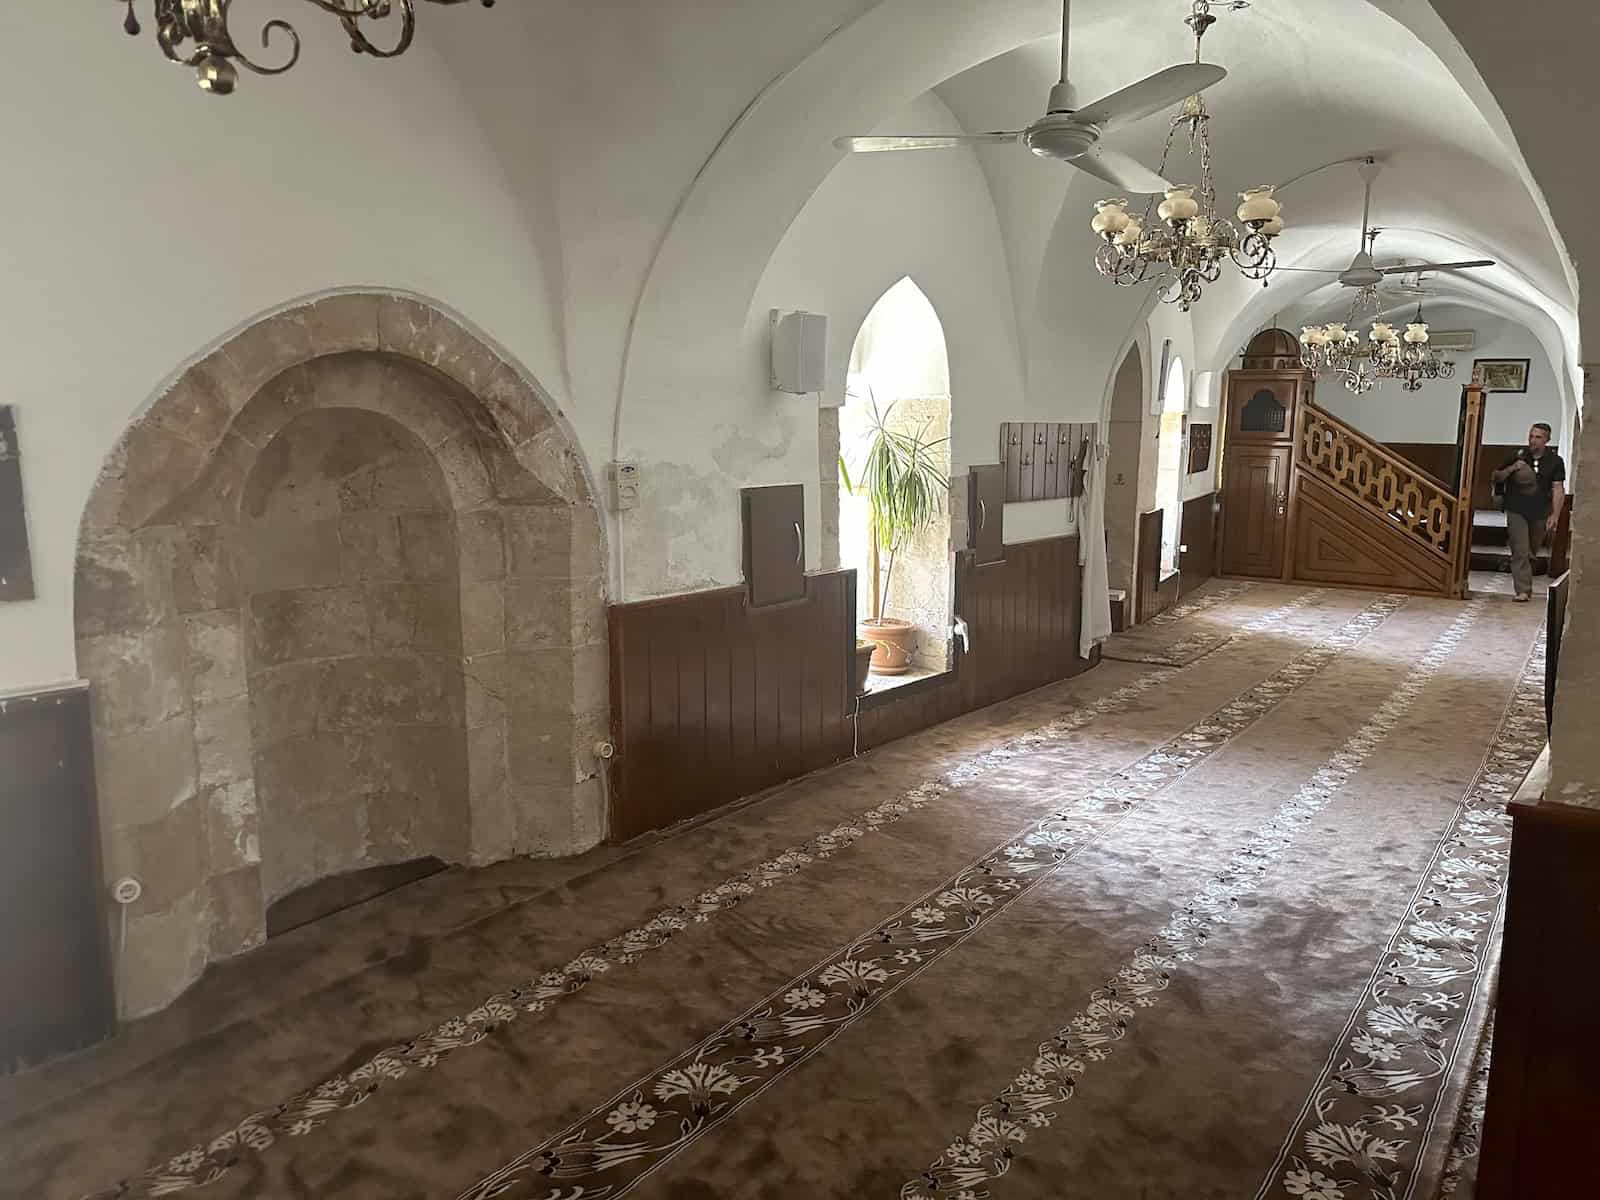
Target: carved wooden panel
(1338, 542)
(1199, 448)
(1385, 484)
(1262, 405)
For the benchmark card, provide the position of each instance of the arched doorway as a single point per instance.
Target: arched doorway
(340, 601)
(1126, 436)
(899, 388)
(1170, 464)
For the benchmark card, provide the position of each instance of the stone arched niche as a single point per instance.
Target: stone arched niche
(340, 598)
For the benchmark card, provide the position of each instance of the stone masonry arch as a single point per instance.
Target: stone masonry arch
(437, 595)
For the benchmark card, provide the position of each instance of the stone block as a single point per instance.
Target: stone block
(484, 679)
(545, 820)
(123, 583)
(493, 829)
(223, 744)
(512, 482)
(232, 826)
(425, 402)
(202, 403)
(422, 617)
(307, 623)
(538, 613)
(368, 692)
(422, 806)
(538, 686)
(274, 405)
(268, 348)
(403, 324)
(591, 683)
(516, 408)
(369, 547)
(538, 540)
(589, 611)
(483, 618)
(539, 754)
(466, 475)
(480, 545)
(284, 701)
(428, 545)
(215, 646)
(139, 680)
(548, 457)
(166, 953)
(167, 855)
(337, 324)
(141, 777)
(313, 793)
(238, 917)
(205, 568)
(278, 555)
(588, 553)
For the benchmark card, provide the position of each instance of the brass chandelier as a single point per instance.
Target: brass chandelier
(1336, 349)
(1188, 253)
(196, 34)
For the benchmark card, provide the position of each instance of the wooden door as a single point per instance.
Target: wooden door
(1255, 506)
(986, 511)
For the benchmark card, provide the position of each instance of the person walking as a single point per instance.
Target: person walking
(1535, 490)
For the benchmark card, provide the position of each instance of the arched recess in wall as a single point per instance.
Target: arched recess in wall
(340, 598)
(1126, 442)
(900, 375)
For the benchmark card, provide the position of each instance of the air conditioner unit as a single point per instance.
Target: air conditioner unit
(1451, 341)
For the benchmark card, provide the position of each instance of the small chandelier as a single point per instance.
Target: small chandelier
(1335, 349)
(1408, 357)
(195, 33)
(1188, 253)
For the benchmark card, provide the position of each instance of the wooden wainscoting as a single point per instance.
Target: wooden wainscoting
(712, 700)
(1147, 567)
(1197, 562)
(55, 984)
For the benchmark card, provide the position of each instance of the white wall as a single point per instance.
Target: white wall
(145, 221)
(1390, 414)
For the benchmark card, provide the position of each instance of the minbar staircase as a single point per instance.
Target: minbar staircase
(1366, 517)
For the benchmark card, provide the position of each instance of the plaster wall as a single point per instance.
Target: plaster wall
(1391, 415)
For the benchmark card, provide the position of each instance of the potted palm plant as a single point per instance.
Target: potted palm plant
(905, 487)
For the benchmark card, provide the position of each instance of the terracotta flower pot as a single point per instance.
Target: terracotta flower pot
(864, 652)
(892, 641)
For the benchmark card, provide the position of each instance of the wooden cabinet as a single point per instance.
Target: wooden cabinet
(1255, 498)
(774, 543)
(55, 976)
(986, 511)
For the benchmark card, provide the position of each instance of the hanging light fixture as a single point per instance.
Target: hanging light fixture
(1186, 250)
(196, 34)
(1412, 360)
(1336, 349)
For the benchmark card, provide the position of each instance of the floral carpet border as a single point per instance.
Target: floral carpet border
(644, 1125)
(1363, 1130)
(1034, 1098)
(309, 1110)
(1188, 650)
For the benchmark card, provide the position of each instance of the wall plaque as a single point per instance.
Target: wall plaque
(16, 568)
(1199, 448)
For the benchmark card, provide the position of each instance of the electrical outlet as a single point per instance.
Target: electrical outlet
(622, 479)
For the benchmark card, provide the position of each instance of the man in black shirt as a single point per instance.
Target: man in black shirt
(1535, 490)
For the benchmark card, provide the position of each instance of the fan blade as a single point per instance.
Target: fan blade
(1119, 170)
(1313, 270)
(941, 141)
(1455, 266)
(1164, 89)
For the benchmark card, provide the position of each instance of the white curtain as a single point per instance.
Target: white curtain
(1096, 605)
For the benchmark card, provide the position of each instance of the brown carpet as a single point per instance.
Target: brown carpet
(1214, 931)
(1182, 634)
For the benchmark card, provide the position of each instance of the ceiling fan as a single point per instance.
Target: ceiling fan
(1362, 271)
(1072, 134)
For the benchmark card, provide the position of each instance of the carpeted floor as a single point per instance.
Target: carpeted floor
(1224, 929)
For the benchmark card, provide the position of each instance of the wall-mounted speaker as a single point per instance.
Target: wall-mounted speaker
(799, 352)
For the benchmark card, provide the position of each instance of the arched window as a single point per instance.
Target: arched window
(1169, 462)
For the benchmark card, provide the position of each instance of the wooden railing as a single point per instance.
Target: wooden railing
(1414, 504)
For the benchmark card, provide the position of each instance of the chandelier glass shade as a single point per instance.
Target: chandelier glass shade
(197, 34)
(1186, 245)
(1335, 349)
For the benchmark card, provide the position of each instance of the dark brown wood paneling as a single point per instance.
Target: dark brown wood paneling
(712, 700)
(774, 542)
(1543, 1106)
(1338, 542)
(1147, 567)
(1437, 459)
(1197, 553)
(55, 976)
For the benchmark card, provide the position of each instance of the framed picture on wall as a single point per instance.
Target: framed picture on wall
(1199, 448)
(1501, 374)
